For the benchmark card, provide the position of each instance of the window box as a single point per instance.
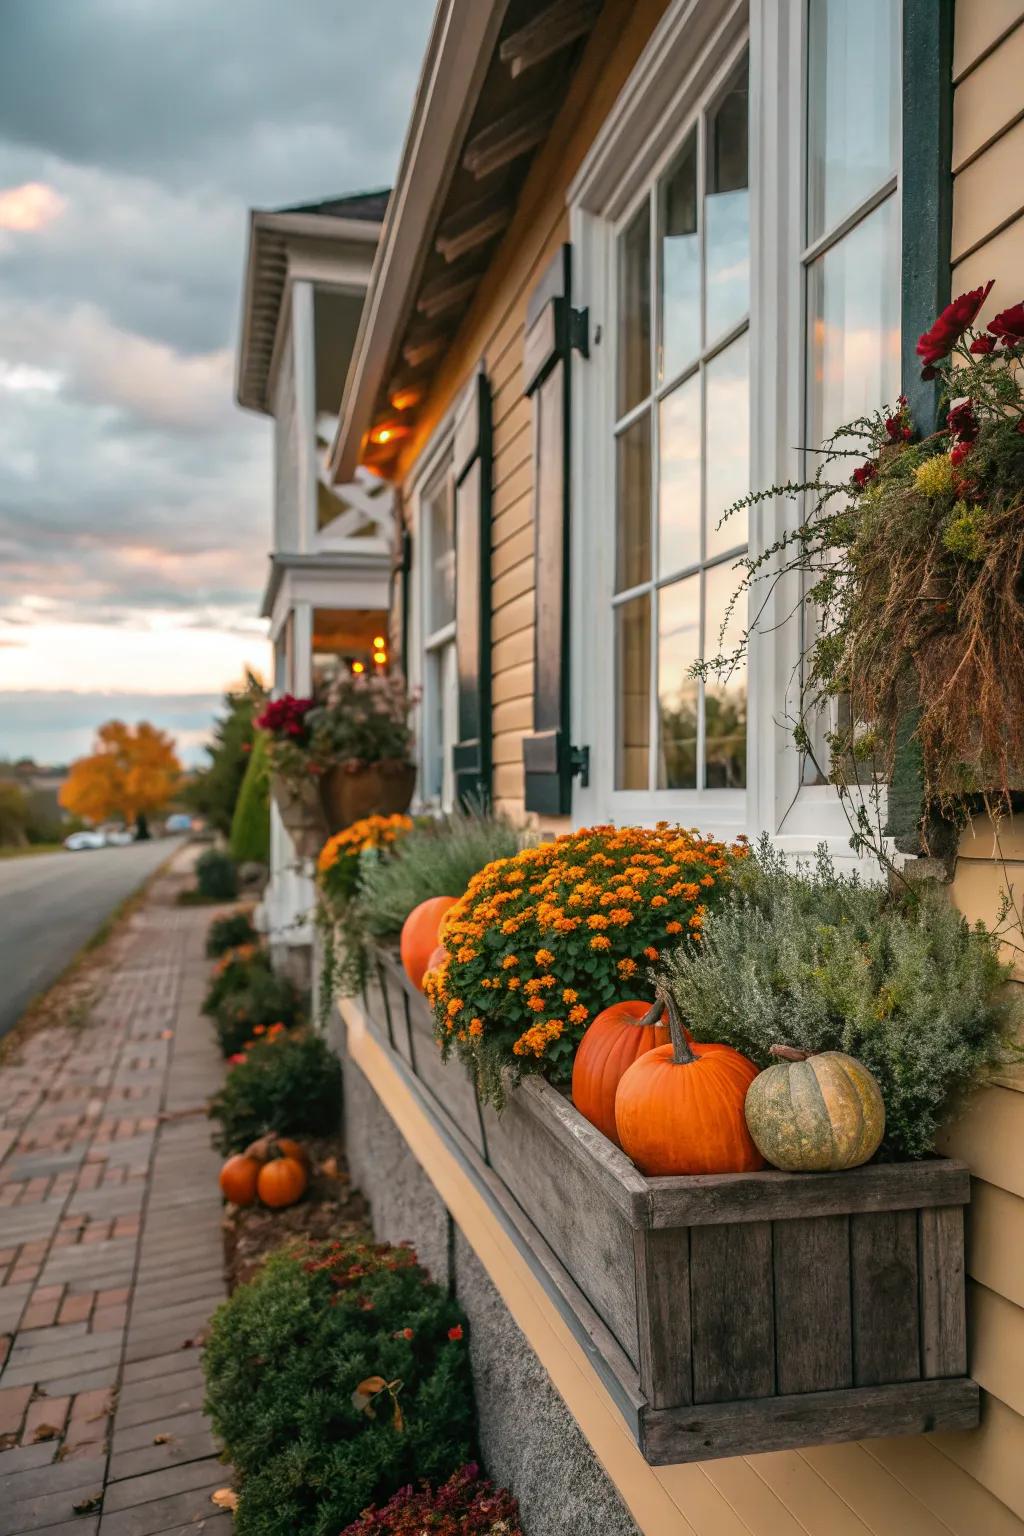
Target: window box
(729, 1314)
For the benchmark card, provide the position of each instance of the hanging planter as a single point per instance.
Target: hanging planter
(352, 791)
(301, 810)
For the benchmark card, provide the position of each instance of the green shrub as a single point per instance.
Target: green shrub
(812, 958)
(250, 825)
(291, 1084)
(265, 999)
(216, 877)
(233, 973)
(283, 1363)
(466, 1505)
(437, 858)
(230, 932)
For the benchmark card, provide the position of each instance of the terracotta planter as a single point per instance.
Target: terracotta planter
(302, 813)
(383, 789)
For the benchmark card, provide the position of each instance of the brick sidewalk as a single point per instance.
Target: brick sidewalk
(110, 1249)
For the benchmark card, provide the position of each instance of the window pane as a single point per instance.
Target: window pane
(441, 575)
(727, 211)
(633, 517)
(680, 264)
(725, 700)
(679, 483)
(635, 311)
(854, 325)
(678, 649)
(727, 445)
(853, 105)
(633, 683)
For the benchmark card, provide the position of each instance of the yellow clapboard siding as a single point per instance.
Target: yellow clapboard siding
(514, 811)
(761, 1511)
(985, 839)
(943, 1487)
(998, 258)
(514, 682)
(989, 1135)
(884, 1505)
(508, 781)
(513, 583)
(989, 193)
(511, 552)
(517, 516)
(514, 463)
(513, 715)
(993, 1455)
(980, 24)
(514, 487)
(508, 748)
(996, 1240)
(804, 1491)
(513, 617)
(512, 650)
(995, 1329)
(981, 887)
(697, 1496)
(513, 436)
(989, 100)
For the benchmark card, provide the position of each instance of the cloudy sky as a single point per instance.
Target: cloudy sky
(134, 494)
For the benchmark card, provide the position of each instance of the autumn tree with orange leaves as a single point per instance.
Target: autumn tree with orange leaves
(132, 771)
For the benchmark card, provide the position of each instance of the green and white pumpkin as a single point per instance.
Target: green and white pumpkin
(815, 1112)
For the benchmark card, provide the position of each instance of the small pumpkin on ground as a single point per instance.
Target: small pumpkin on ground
(616, 1038)
(281, 1182)
(815, 1112)
(238, 1178)
(679, 1108)
(420, 936)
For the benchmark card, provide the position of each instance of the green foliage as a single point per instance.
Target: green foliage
(250, 825)
(214, 790)
(283, 1363)
(232, 975)
(263, 999)
(229, 932)
(291, 1084)
(216, 876)
(14, 814)
(437, 858)
(815, 959)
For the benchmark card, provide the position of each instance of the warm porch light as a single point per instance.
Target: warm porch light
(379, 643)
(380, 656)
(388, 432)
(405, 399)
(358, 667)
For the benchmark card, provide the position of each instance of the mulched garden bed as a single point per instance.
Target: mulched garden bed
(331, 1207)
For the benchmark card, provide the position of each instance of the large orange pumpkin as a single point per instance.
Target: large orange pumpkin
(282, 1182)
(679, 1108)
(419, 936)
(238, 1179)
(611, 1044)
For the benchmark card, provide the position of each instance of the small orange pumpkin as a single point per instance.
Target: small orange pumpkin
(238, 1179)
(611, 1044)
(288, 1148)
(679, 1108)
(282, 1182)
(419, 936)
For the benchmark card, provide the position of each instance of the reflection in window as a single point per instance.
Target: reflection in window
(635, 312)
(633, 688)
(727, 211)
(678, 649)
(727, 442)
(633, 542)
(679, 478)
(725, 698)
(680, 265)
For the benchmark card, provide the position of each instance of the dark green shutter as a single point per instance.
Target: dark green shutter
(471, 757)
(926, 195)
(552, 329)
(401, 590)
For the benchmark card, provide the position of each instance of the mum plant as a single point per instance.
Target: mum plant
(913, 565)
(340, 868)
(806, 957)
(334, 1377)
(229, 932)
(543, 941)
(288, 1083)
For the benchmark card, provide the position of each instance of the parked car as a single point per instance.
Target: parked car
(178, 821)
(120, 837)
(81, 842)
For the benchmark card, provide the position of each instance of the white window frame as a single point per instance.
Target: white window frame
(645, 128)
(426, 672)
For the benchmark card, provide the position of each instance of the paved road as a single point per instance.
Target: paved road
(52, 903)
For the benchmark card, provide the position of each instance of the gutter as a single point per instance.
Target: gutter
(459, 53)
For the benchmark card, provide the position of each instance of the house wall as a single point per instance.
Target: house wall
(494, 329)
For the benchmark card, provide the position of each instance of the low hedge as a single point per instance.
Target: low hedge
(265, 999)
(229, 932)
(290, 1084)
(338, 1374)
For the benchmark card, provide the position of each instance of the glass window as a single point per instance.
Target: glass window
(682, 450)
(439, 538)
(439, 672)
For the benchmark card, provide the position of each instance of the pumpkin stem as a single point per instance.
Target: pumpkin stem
(790, 1053)
(681, 1053)
(653, 1015)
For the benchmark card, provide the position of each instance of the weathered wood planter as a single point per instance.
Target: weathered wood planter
(728, 1314)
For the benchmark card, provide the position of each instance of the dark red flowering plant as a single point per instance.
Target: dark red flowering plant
(466, 1505)
(285, 717)
(914, 563)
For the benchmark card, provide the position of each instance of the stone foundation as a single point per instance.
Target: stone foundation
(529, 1441)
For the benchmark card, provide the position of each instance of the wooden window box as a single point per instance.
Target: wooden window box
(728, 1314)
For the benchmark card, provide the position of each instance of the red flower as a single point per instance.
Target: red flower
(236, 1058)
(863, 476)
(962, 421)
(285, 716)
(1008, 325)
(982, 344)
(959, 453)
(938, 342)
(455, 1334)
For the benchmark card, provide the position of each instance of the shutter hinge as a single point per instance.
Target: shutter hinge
(579, 331)
(579, 760)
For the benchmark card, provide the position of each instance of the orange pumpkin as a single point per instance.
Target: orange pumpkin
(238, 1179)
(437, 956)
(282, 1182)
(419, 936)
(679, 1108)
(294, 1149)
(612, 1043)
